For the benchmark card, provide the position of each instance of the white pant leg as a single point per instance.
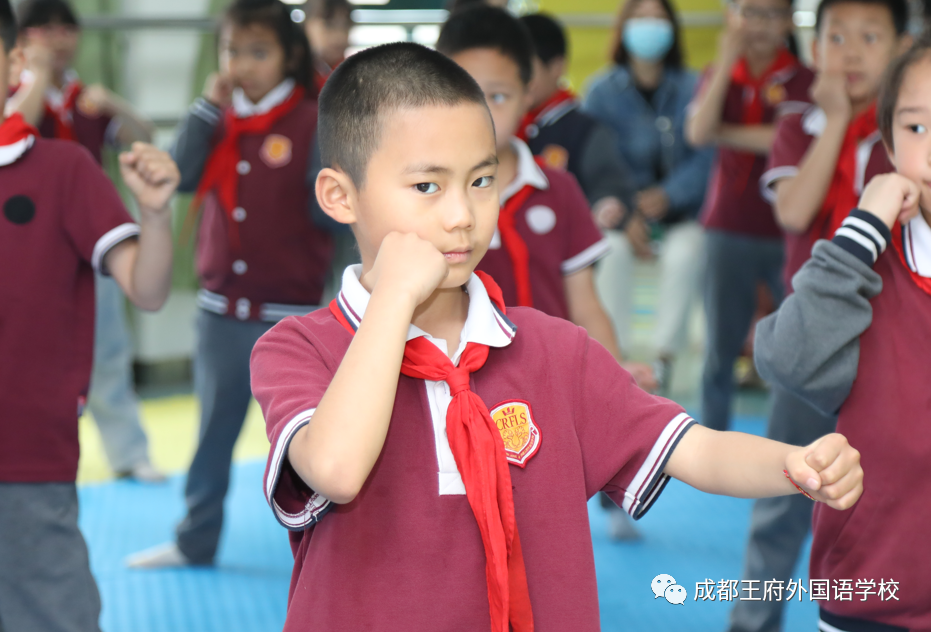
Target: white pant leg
(681, 261)
(614, 280)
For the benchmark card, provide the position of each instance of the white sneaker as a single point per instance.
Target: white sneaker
(144, 472)
(162, 556)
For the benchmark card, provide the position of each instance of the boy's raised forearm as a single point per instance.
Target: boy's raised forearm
(756, 139)
(747, 466)
(703, 124)
(337, 450)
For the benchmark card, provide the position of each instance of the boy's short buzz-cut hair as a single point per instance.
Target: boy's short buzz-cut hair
(892, 85)
(898, 10)
(8, 30)
(484, 26)
(369, 85)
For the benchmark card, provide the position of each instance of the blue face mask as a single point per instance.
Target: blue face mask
(648, 39)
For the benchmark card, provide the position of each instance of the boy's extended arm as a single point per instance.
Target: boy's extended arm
(811, 345)
(335, 452)
(747, 466)
(143, 268)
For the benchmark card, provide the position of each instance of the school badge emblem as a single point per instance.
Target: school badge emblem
(774, 94)
(276, 150)
(520, 434)
(555, 157)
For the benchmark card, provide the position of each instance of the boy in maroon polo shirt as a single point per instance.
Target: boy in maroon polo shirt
(862, 312)
(455, 496)
(61, 220)
(820, 160)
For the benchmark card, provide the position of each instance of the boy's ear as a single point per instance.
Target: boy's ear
(558, 65)
(336, 195)
(905, 42)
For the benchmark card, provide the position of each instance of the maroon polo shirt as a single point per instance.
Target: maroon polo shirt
(281, 257)
(406, 554)
(886, 417)
(794, 135)
(733, 203)
(556, 223)
(60, 217)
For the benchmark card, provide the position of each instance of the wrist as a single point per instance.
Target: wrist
(864, 235)
(156, 217)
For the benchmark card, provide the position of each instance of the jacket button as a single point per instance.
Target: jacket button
(239, 214)
(240, 267)
(243, 167)
(663, 124)
(243, 308)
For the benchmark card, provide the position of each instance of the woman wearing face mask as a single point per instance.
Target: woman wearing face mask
(644, 96)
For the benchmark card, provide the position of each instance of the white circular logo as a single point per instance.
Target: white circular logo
(541, 219)
(243, 167)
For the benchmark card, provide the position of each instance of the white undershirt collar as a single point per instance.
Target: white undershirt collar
(244, 108)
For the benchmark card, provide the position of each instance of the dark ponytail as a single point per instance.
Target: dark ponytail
(276, 15)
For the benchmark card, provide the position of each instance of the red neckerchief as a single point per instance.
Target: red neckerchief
(841, 197)
(752, 89)
(560, 96)
(220, 171)
(923, 282)
(514, 244)
(63, 116)
(14, 129)
(479, 452)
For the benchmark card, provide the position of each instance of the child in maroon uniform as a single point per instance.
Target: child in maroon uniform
(60, 221)
(52, 97)
(433, 451)
(245, 147)
(547, 241)
(861, 312)
(820, 160)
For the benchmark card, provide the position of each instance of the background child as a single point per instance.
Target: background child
(754, 79)
(51, 96)
(547, 242)
(643, 97)
(454, 528)
(567, 138)
(61, 220)
(862, 317)
(816, 171)
(245, 147)
(327, 24)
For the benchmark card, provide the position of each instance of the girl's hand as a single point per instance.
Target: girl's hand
(653, 203)
(37, 51)
(609, 212)
(407, 266)
(733, 39)
(98, 98)
(638, 234)
(151, 175)
(891, 197)
(218, 89)
(828, 469)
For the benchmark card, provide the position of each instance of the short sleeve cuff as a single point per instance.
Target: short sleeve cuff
(650, 480)
(294, 509)
(206, 111)
(863, 235)
(586, 258)
(769, 179)
(106, 243)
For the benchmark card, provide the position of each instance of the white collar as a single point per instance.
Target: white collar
(244, 108)
(916, 238)
(485, 324)
(528, 171)
(11, 153)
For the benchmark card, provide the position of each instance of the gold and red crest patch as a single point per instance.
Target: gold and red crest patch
(276, 150)
(555, 157)
(520, 434)
(774, 94)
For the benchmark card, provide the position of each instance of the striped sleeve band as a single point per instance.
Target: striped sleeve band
(205, 110)
(863, 235)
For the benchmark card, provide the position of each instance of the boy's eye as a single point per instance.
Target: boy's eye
(917, 128)
(870, 38)
(260, 54)
(497, 98)
(484, 182)
(427, 187)
(837, 39)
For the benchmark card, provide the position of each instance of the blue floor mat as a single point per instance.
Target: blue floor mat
(687, 534)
